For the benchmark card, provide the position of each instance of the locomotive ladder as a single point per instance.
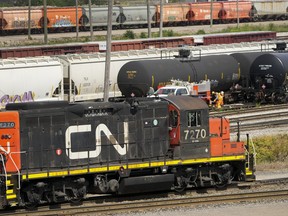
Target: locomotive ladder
(11, 189)
(251, 158)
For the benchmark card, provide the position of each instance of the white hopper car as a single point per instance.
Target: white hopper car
(74, 77)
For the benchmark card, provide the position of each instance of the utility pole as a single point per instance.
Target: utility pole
(90, 20)
(108, 52)
(29, 20)
(77, 21)
(211, 13)
(161, 19)
(237, 3)
(148, 18)
(45, 22)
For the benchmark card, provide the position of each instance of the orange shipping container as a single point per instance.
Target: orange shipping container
(17, 18)
(62, 17)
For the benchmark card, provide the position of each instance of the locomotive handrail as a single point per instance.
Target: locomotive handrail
(18, 171)
(5, 172)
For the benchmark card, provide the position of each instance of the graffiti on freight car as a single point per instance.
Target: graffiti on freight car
(62, 21)
(26, 97)
(21, 23)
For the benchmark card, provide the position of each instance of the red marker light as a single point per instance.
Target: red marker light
(58, 152)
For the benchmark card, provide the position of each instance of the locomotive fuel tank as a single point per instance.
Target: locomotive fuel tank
(269, 70)
(138, 76)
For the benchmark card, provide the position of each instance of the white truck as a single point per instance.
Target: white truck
(201, 89)
(171, 90)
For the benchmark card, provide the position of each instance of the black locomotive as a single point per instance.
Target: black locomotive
(55, 151)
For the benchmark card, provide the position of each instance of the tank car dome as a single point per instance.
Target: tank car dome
(269, 70)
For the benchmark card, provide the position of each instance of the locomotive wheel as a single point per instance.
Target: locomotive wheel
(31, 206)
(181, 184)
(221, 185)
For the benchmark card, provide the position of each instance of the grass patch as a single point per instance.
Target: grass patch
(247, 27)
(271, 149)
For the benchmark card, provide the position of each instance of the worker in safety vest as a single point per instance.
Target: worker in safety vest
(220, 100)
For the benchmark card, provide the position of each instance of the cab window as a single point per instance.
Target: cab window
(181, 92)
(194, 119)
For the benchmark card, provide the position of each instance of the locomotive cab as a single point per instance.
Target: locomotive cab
(191, 137)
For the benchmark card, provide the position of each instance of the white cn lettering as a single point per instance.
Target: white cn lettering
(8, 148)
(95, 153)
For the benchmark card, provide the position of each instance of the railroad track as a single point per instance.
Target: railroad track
(235, 109)
(255, 118)
(96, 207)
(191, 202)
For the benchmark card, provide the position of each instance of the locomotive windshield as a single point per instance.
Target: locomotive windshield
(194, 118)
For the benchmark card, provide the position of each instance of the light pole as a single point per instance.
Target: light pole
(237, 6)
(90, 20)
(148, 19)
(211, 13)
(161, 19)
(29, 20)
(45, 22)
(77, 22)
(108, 52)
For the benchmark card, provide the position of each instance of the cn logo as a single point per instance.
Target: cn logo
(4, 150)
(95, 153)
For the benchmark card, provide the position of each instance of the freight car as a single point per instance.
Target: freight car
(269, 10)
(24, 80)
(56, 151)
(248, 77)
(68, 77)
(265, 79)
(64, 19)
(138, 76)
(94, 47)
(15, 20)
(136, 44)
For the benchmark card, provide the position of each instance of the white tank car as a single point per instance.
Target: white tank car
(30, 79)
(84, 73)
